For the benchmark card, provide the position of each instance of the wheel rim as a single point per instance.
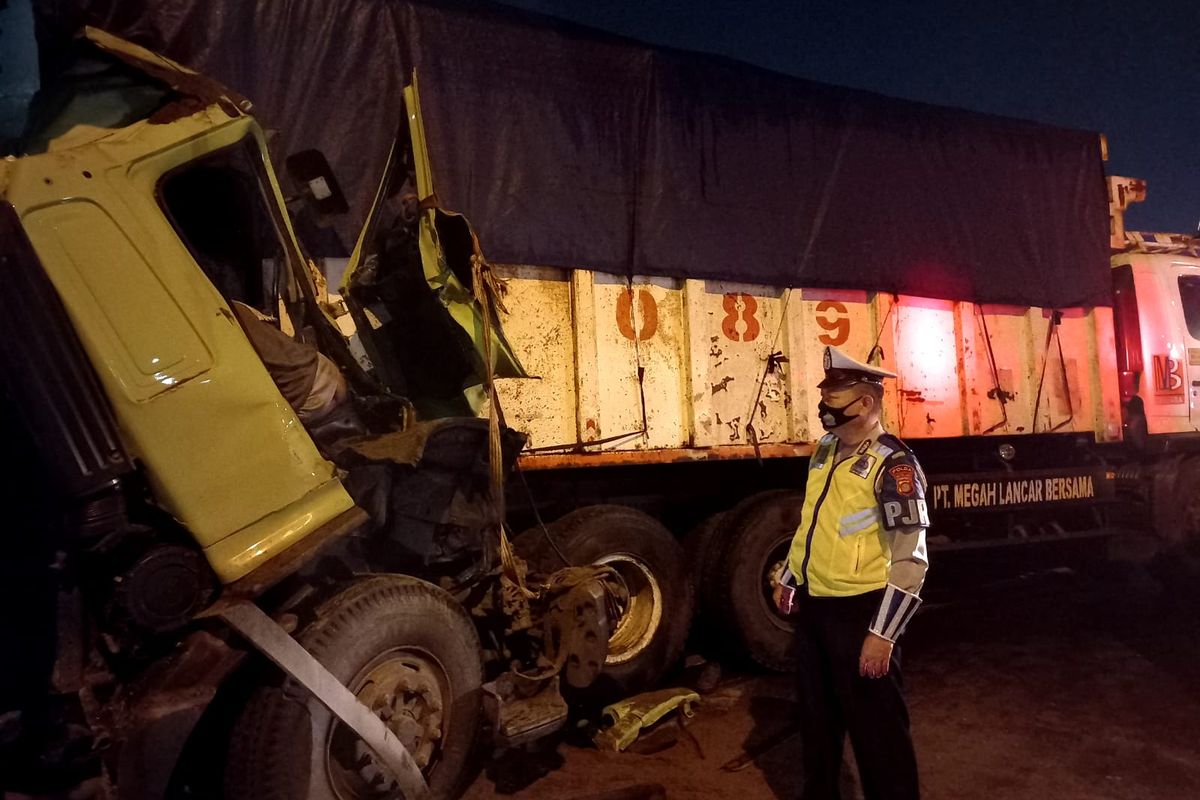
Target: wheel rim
(773, 563)
(641, 615)
(407, 690)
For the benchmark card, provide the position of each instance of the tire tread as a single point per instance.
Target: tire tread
(258, 766)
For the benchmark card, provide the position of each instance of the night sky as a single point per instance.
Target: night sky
(1128, 69)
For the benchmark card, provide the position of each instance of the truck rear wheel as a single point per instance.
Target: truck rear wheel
(703, 545)
(409, 652)
(649, 635)
(758, 535)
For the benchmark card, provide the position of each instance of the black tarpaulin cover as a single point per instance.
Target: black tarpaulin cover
(571, 148)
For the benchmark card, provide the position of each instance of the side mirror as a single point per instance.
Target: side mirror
(311, 173)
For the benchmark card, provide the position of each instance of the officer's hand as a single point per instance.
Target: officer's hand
(875, 657)
(777, 587)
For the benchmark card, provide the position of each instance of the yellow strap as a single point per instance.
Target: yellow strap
(486, 290)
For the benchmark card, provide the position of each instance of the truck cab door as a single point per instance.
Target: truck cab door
(1185, 275)
(409, 288)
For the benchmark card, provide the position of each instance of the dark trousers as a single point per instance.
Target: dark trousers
(836, 700)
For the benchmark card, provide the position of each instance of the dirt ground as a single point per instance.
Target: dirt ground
(1050, 684)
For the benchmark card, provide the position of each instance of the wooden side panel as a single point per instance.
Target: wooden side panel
(641, 361)
(845, 320)
(741, 329)
(997, 368)
(927, 361)
(540, 318)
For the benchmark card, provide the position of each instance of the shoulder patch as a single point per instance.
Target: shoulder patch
(905, 476)
(901, 489)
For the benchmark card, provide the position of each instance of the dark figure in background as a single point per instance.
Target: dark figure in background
(853, 578)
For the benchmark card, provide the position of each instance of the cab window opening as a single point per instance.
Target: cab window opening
(219, 207)
(216, 205)
(1189, 298)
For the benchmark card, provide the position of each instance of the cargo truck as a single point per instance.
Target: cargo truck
(1034, 425)
(173, 496)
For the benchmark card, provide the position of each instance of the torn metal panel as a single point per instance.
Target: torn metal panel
(630, 717)
(109, 85)
(410, 288)
(202, 89)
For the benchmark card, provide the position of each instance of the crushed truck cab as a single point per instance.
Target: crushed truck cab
(192, 499)
(167, 350)
(165, 345)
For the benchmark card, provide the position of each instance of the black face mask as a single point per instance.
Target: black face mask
(835, 417)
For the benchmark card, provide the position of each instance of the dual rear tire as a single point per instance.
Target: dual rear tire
(723, 571)
(734, 556)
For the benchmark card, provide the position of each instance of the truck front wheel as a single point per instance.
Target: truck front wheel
(409, 652)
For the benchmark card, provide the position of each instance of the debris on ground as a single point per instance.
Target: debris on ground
(630, 718)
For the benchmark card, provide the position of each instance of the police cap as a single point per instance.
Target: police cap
(841, 370)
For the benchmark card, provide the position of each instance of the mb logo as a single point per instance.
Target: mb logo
(1168, 379)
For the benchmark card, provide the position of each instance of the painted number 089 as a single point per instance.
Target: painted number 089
(741, 309)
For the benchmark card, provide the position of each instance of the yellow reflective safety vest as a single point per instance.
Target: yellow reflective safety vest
(841, 547)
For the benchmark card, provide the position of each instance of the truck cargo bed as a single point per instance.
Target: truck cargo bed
(660, 369)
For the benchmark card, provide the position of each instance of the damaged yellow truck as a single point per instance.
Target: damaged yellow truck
(177, 529)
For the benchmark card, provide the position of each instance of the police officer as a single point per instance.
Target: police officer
(852, 582)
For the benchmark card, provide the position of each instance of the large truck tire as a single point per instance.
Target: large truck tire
(703, 545)
(409, 652)
(649, 636)
(757, 535)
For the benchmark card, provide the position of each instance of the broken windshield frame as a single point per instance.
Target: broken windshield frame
(288, 281)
